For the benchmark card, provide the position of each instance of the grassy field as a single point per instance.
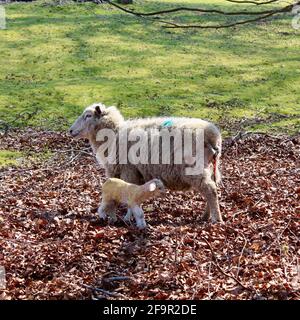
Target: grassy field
(57, 59)
(9, 158)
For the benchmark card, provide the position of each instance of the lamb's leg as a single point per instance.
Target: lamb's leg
(138, 214)
(128, 215)
(108, 209)
(209, 189)
(101, 211)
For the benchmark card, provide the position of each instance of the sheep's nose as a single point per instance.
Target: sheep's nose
(70, 131)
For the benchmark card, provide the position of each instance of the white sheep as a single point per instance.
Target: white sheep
(116, 191)
(97, 117)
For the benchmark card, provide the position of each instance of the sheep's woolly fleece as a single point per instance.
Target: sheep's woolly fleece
(53, 247)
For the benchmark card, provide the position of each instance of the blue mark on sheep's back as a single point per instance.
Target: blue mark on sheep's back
(168, 123)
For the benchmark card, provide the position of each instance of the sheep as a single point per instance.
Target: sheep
(97, 116)
(116, 191)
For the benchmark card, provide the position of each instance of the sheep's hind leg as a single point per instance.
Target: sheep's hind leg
(206, 214)
(209, 189)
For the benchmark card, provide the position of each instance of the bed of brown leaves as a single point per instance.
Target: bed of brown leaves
(53, 246)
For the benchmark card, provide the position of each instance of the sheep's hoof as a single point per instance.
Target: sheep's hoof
(217, 221)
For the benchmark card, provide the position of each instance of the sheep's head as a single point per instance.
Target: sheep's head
(88, 121)
(96, 117)
(155, 187)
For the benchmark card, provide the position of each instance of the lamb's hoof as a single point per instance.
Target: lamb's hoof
(127, 218)
(102, 215)
(141, 225)
(112, 220)
(101, 218)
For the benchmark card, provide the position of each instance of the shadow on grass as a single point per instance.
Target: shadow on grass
(141, 64)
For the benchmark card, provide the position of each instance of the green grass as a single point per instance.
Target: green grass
(8, 158)
(55, 60)
(16, 158)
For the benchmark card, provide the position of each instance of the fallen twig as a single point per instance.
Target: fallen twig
(106, 292)
(241, 255)
(279, 236)
(118, 278)
(216, 263)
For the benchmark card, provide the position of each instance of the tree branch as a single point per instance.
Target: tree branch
(260, 15)
(253, 2)
(201, 10)
(222, 26)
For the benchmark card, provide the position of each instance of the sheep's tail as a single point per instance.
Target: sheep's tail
(216, 163)
(217, 173)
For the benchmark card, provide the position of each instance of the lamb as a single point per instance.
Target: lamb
(116, 191)
(98, 116)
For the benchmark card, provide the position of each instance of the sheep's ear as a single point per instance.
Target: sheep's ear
(152, 186)
(98, 112)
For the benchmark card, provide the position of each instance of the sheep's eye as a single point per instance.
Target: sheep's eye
(87, 116)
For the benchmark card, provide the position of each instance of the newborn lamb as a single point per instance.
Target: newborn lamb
(116, 191)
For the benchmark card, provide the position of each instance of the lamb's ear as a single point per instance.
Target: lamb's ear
(98, 112)
(152, 186)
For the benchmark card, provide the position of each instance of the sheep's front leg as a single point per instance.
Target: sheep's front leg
(108, 209)
(138, 214)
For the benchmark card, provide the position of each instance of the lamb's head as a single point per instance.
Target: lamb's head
(155, 187)
(95, 117)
